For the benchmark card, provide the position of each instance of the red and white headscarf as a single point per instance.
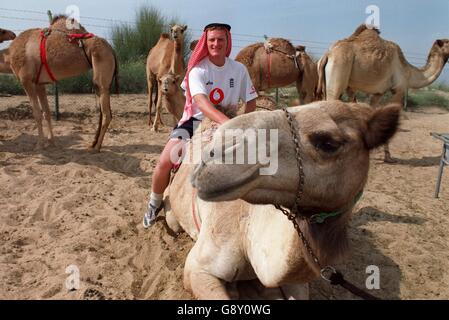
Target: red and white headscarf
(199, 53)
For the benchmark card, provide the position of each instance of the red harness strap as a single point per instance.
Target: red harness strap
(74, 37)
(77, 36)
(43, 53)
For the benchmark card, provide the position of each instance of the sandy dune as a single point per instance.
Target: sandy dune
(66, 206)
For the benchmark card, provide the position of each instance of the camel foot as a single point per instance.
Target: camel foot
(154, 129)
(93, 149)
(389, 159)
(50, 143)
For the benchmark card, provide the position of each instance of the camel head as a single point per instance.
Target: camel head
(177, 32)
(6, 35)
(441, 47)
(169, 83)
(300, 48)
(335, 140)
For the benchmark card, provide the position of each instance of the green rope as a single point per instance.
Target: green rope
(322, 216)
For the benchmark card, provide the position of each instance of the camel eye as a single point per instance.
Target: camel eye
(325, 143)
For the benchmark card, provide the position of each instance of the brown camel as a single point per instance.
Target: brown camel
(167, 55)
(6, 35)
(309, 76)
(65, 59)
(172, 96)
(366, 62)
(250, 239)
(278, 68)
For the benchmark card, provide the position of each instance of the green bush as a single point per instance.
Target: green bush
(10, 85)
(442, 86)
(79, 84)
(132, 77)
(427, 98)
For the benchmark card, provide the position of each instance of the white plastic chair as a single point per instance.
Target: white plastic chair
(444, 157)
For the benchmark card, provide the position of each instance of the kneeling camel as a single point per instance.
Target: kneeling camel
(239, 234)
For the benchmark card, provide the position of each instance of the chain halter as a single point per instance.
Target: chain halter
(328, 273)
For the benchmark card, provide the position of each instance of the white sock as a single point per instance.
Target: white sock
(156, 199)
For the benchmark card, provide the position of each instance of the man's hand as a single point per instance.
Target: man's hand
(208, 109)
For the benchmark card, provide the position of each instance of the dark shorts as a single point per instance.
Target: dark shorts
(185, 130)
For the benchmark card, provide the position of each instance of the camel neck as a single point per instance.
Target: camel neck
(421, 77)
(4, 66)
(177, 62)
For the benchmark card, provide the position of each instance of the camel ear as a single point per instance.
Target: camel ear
(170, 26)
(300, 48)
(382, 125)
(177, 77)
(184, 28)
(440, 42)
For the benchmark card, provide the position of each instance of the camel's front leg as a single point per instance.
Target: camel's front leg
(152, 85)
(205, 286)
(398, 97)
(157, 117)
(46, 111)
(105, 118)
(31, 91)
(201, 283)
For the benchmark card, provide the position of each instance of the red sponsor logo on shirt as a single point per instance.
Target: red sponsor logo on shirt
(216, 96)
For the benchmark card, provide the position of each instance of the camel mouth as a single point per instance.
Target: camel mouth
(220, 192)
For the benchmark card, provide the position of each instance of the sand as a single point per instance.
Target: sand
(65, 206)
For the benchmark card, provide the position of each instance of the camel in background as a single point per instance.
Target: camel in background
(167, 55)
(309, 76)
(249, 239)
(172, 96)
(65, 59)
(277, 63)
(366, 62)
(6, 35)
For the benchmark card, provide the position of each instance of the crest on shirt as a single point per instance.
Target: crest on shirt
(231, 83)
(209, 83)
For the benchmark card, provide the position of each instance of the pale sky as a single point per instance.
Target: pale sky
(413, 24)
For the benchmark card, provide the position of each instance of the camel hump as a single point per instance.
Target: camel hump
(57, 18)
(72, 26)
(282, 44)
(246, 55)
(300, 48)
(361, 28)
